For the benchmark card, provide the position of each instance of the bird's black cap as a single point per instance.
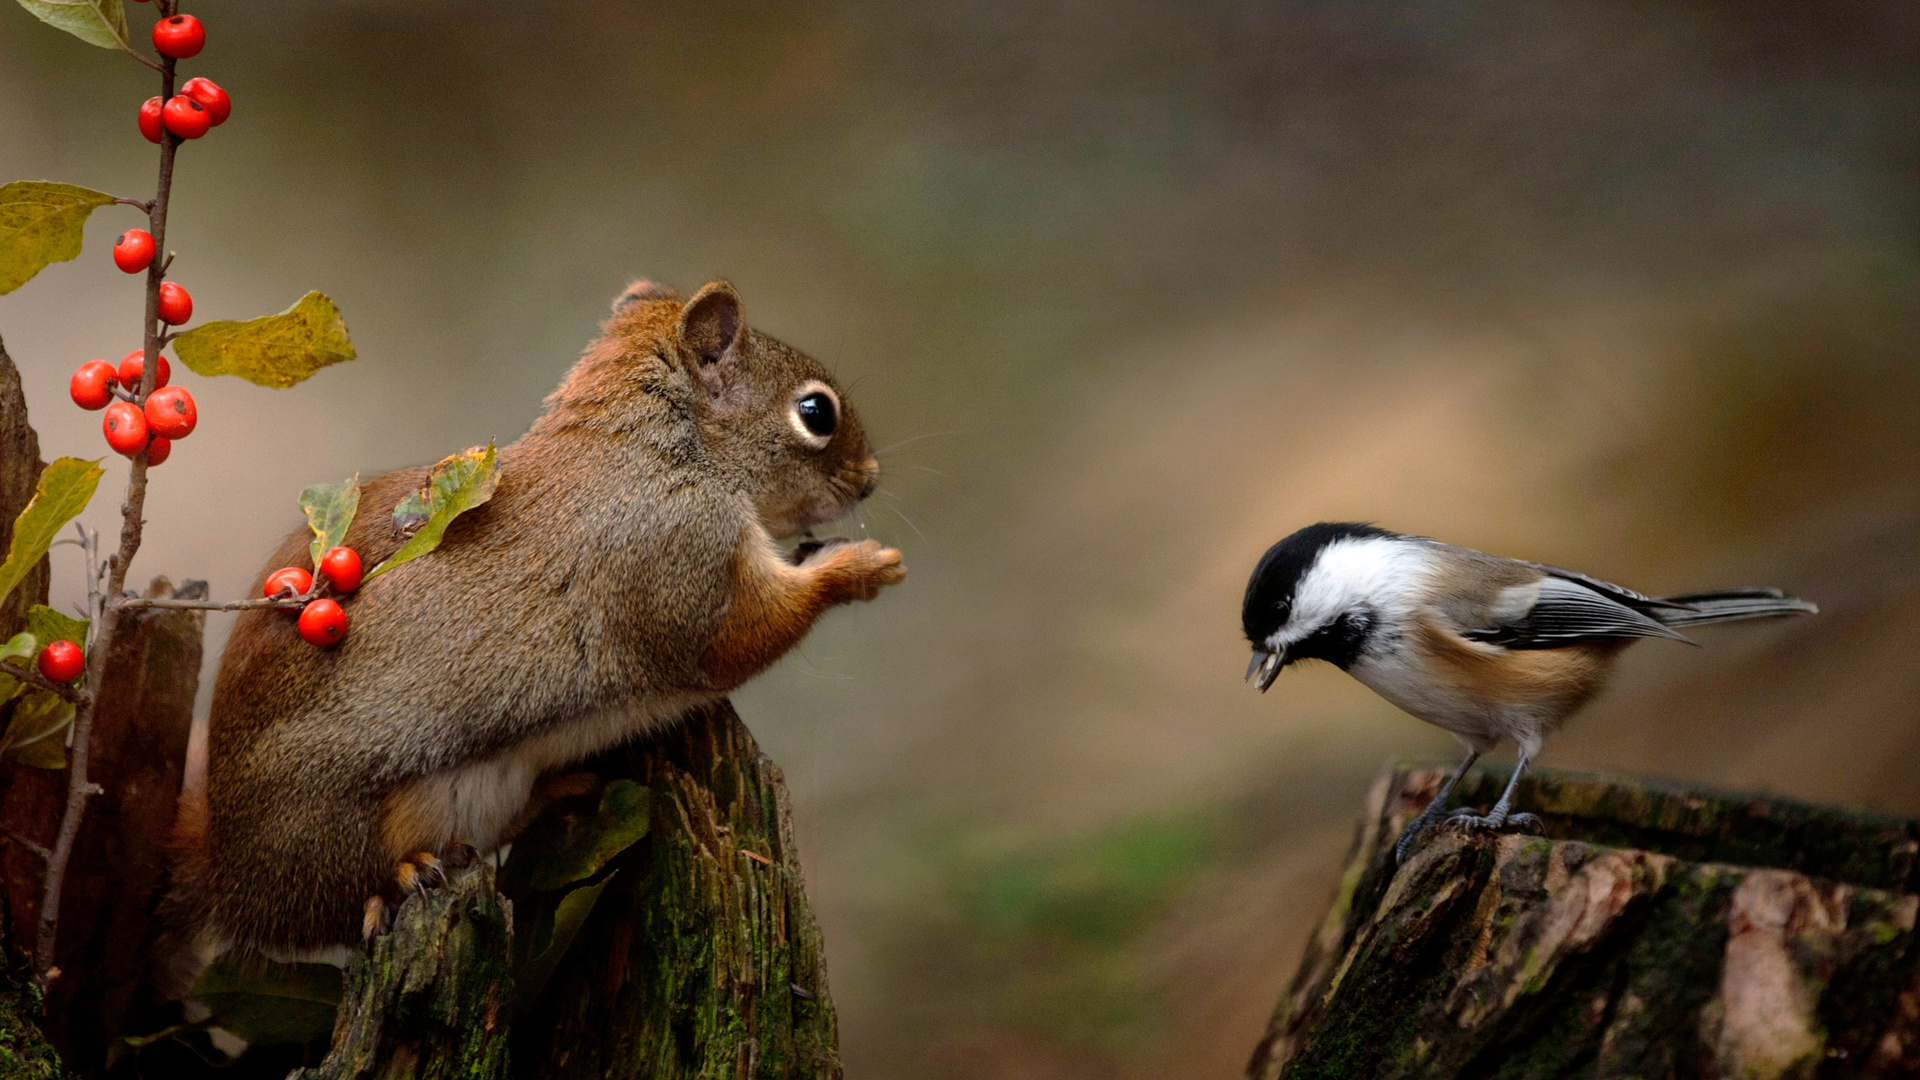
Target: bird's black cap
(1270, 590)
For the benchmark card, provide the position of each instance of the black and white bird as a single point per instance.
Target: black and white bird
(1489, 648)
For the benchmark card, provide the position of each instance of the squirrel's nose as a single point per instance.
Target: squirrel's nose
(870, 476)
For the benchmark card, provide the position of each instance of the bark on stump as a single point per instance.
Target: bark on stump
(700, 958)
(432, 997)
(1650, 933)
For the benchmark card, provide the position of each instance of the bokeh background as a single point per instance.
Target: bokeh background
(1129, 290)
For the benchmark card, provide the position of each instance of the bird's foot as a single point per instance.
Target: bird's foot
(1495, 822)
(1410, 835)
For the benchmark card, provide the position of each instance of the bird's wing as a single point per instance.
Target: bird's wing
(1607, 588)
(1570, 611)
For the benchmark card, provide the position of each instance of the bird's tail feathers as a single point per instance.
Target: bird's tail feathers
(1727, 605)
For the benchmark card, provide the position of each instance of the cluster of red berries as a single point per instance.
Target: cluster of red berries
(322, 621)
(133, 425)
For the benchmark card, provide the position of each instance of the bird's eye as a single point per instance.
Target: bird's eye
(1281, 609)
(815, 414)
(818, 414)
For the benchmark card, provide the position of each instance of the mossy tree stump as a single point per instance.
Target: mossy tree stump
(698, 955)
(1648, 933)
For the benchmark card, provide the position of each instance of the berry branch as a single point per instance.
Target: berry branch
(105, 621)
(143, 417)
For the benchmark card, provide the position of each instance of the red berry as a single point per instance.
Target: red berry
(170, 413)
(134, 362)
(290, 578)
(157, 451)
(126, 428)
(150, 125)
(186, 117)
(208, 93)
(323, 623)
(134, 252)
(176, 306)
(92, 386)
(179, 36)
(342, 567)
(62, 661)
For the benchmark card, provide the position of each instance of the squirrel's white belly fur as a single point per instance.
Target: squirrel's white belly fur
(476, 802)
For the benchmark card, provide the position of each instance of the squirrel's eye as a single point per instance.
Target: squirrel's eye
(818, 413)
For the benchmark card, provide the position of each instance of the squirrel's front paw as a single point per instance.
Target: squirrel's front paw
(858, 571)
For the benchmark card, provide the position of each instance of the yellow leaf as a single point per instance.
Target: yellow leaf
(41, 223)
(65, 487)
(457, 484)
(273, 350)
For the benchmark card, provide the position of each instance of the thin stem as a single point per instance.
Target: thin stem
(33, 678)
(138, 204)
(287, 603)
(27, 842)
(106, 622)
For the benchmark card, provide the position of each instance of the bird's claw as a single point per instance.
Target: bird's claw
(1466, 818)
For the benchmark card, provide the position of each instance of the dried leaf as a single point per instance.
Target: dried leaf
(271, 1003)
(64, 489)
(588, 844)
(330, 509)
(48, 626)
(531, 976)
(36, 734)
(273, 350)
(456, 485)
(96, 22)
(42, 223)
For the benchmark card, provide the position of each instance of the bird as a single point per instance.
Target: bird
(1489, 648)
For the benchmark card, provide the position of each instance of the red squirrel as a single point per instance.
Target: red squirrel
(625, 570)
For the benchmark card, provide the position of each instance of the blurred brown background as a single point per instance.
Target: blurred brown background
(1134, 289)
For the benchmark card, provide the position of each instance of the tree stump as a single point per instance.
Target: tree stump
(432, 998)
(697, 956)
(1651, 932)
(701, 958)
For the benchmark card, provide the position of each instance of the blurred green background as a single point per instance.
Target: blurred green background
(1131, 290)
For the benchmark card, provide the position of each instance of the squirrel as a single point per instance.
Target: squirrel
(625, 571)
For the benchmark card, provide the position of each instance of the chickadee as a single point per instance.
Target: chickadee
(1486, 647)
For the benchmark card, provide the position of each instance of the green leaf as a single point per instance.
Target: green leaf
(273, 350)
(65, 487)
(48, 626)
(21, 646)
(32, 737)
(42, 223)
(456, 485)
(271, 1003)
(588, 844)
(330, 509)
(571, 914)
(96, 22)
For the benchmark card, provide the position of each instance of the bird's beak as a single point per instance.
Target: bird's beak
(1265, 667)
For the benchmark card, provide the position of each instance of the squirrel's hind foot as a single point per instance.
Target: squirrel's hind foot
(414, 874)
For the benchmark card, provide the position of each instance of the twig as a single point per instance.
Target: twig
(143, 207)
(33, 678)
(126, 603)
(106, 622)
(28, 843)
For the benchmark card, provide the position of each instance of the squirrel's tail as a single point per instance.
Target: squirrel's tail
(1730, 604)
(179, 952)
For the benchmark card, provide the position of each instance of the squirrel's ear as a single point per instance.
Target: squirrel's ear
(640, 291)
(711, 322)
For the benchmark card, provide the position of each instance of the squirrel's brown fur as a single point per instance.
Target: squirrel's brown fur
(624, 570)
